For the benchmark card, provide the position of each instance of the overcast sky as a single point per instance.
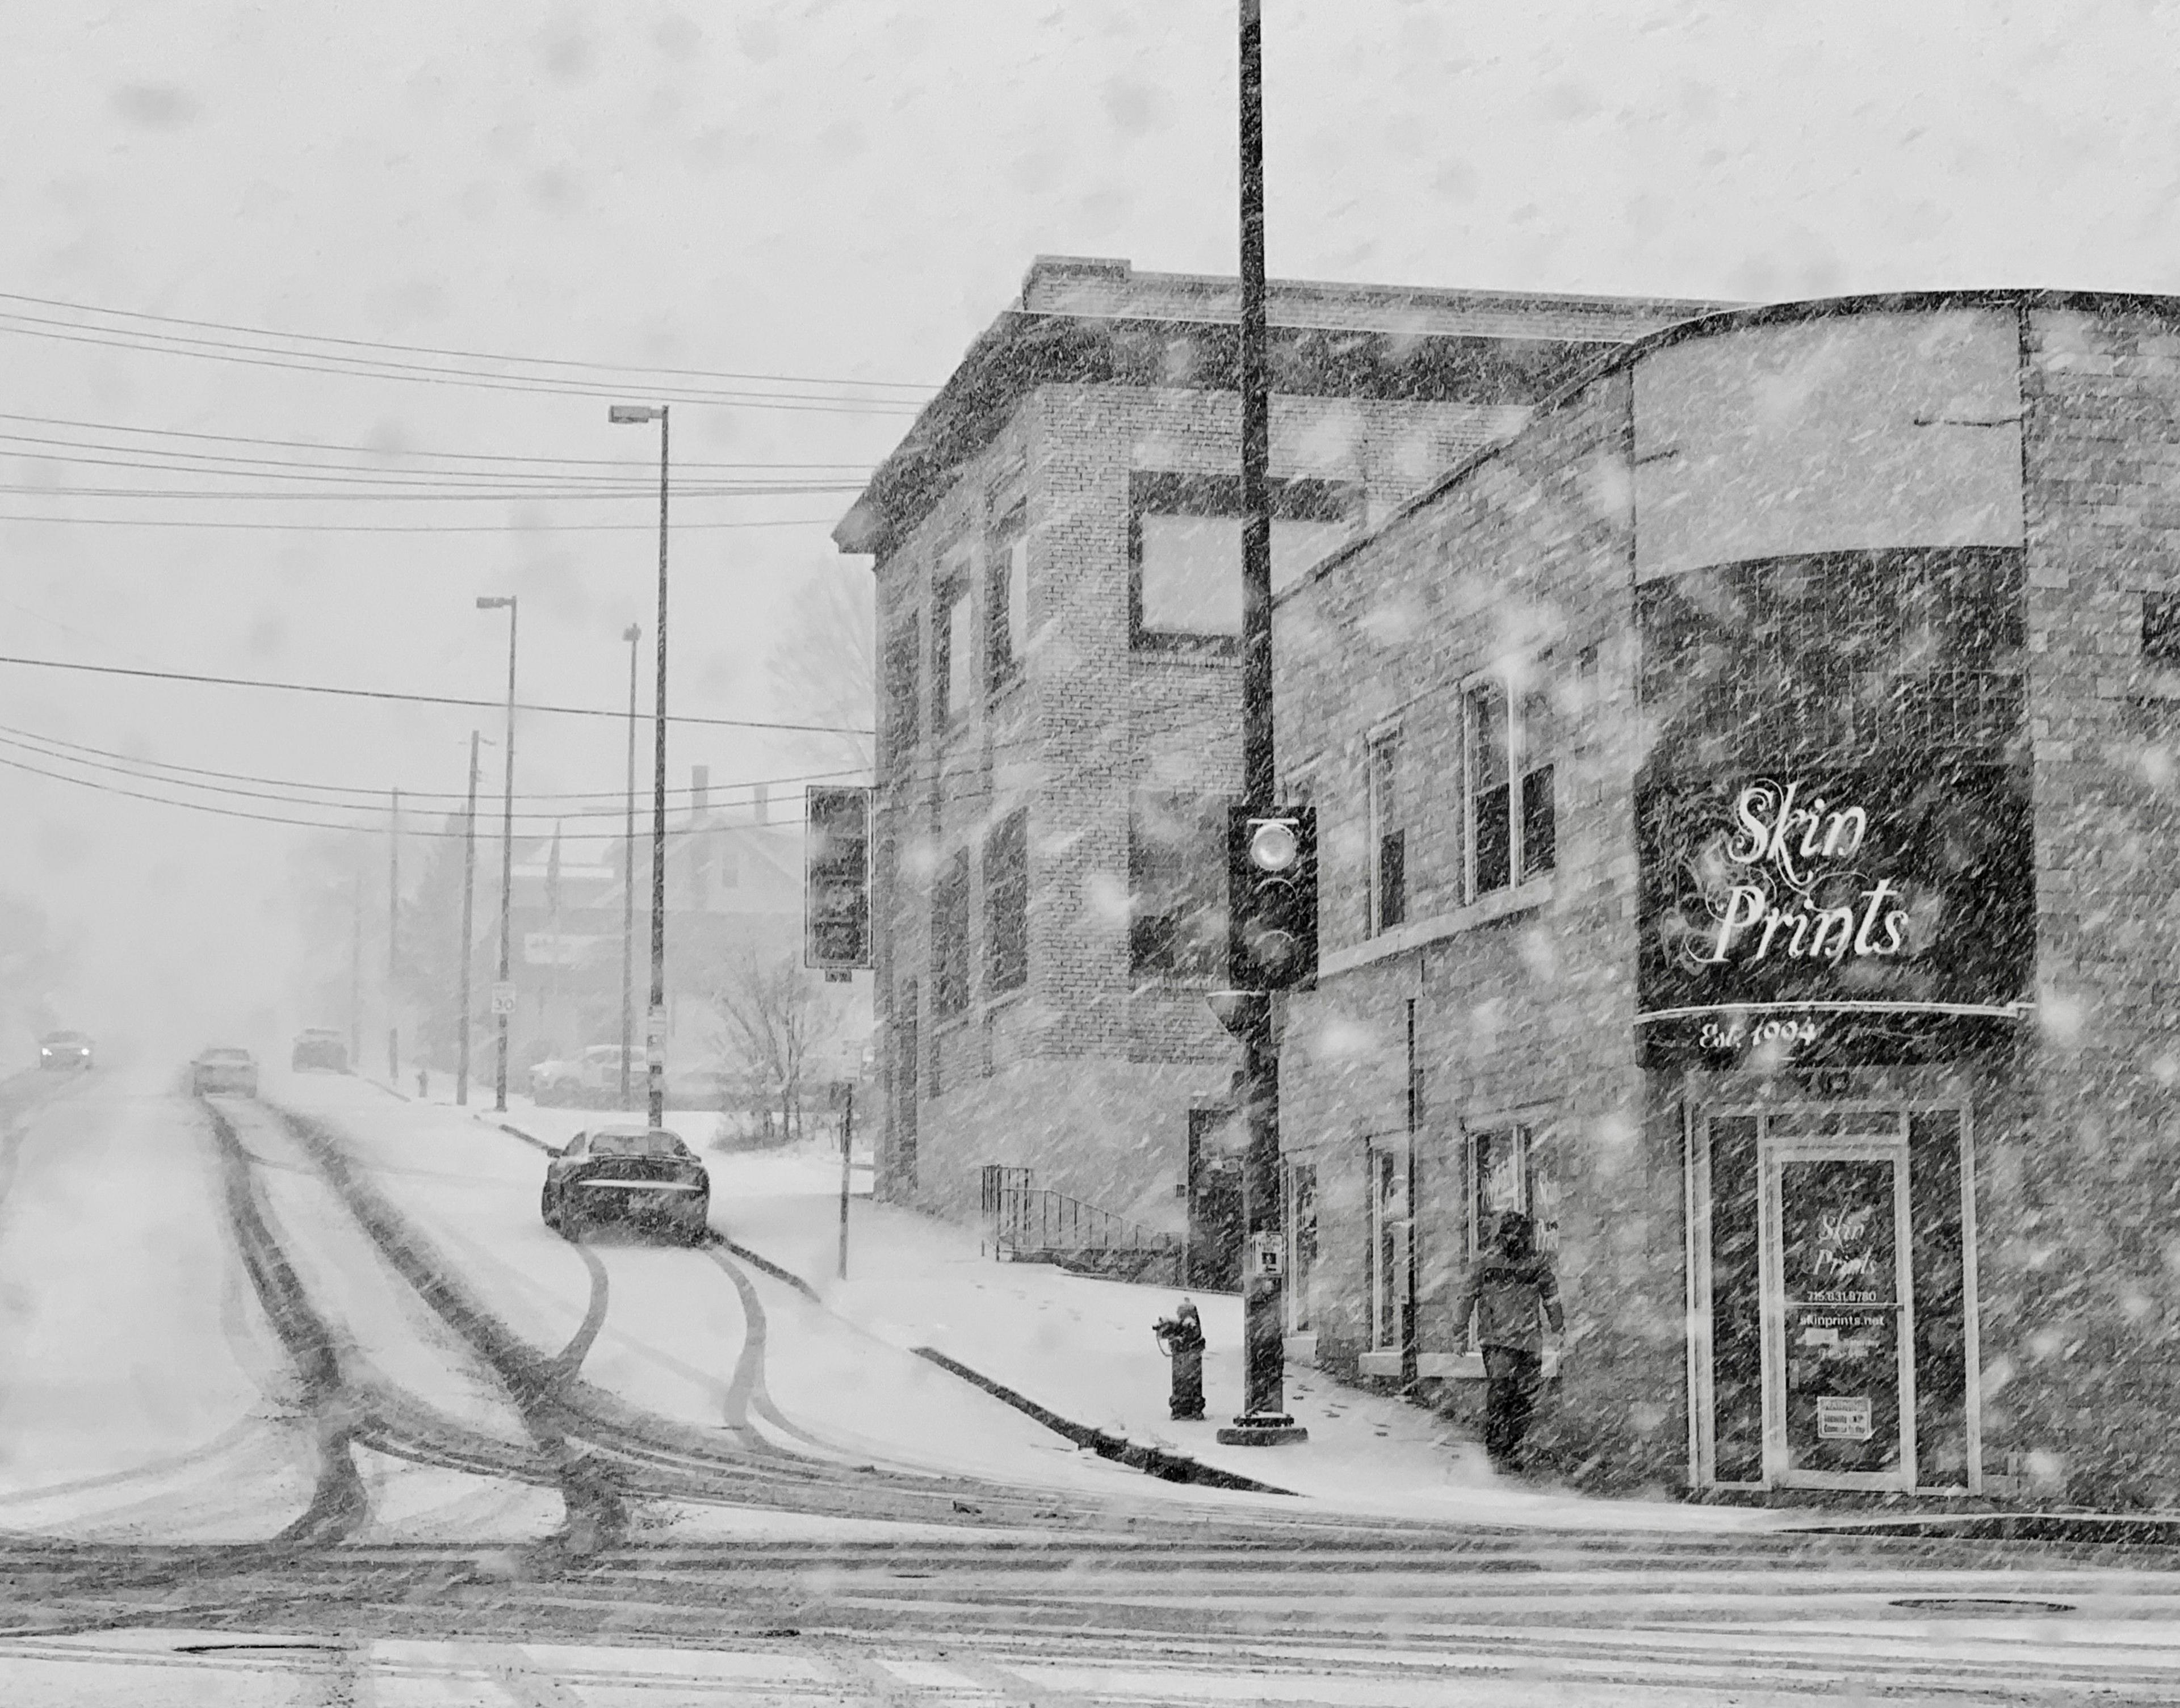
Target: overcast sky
(842, 193)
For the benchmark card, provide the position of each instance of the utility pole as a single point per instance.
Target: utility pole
(847, 1163)
(393, 940)
(655, 1026)
(469, 910)
(634, 635)
(1264, 1420)
(500, 993)
(634, 414)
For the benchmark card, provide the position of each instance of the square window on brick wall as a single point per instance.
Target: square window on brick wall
(1185, 552)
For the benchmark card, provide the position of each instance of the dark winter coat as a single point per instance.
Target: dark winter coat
(1511, 1298)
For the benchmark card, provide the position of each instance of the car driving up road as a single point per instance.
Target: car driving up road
(222, 1069)
(643, 1177)
(64, 1050)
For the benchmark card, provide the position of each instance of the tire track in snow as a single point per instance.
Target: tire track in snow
(338, 1503)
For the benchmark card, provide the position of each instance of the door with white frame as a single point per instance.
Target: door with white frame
(1838, 1318)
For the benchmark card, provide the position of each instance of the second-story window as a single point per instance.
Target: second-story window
(1388, 835)
(952, 660)
(901, 652)
(1512, 828)
(1006, 601)
(950, 938)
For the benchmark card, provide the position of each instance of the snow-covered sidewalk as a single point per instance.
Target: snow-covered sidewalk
(1082, 1347)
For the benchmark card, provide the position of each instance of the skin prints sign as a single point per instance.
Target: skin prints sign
(1852, 916)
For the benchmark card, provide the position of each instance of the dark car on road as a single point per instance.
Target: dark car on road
(643, 1177)
(224, 1069)
(319, 1049)
(64, 1050)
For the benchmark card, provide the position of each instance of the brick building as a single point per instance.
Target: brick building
(1746, 795)
(1057, 561)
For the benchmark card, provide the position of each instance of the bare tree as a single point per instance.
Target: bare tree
(775, 1021)
(823, 669)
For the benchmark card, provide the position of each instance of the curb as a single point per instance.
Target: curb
(1157, 1462)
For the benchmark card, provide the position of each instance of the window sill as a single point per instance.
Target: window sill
(1157, 652)
(1487, 910)
(943, 1024)
(1005, 688)
(998, 1002)
(1301, 1348)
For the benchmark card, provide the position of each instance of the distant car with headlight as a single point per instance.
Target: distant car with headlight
(64, 1050)
(319, 1049)
(221, 1069)
(640, 1176)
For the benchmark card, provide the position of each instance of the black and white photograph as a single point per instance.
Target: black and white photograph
(903, 854)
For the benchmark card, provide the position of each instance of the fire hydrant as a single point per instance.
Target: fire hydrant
(1180, 1338)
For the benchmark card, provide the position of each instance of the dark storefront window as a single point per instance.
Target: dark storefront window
(1006, 903)
(1301, 1246)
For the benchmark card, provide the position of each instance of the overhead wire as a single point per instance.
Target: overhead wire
(332, 363)
(358, 829)
(379, 793)
(466, 355)
(397, 696)
(284, 795)
(521, 527)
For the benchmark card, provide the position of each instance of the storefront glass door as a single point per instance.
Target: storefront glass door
(1839, 1407)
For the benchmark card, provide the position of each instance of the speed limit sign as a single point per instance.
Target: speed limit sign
(503, 998)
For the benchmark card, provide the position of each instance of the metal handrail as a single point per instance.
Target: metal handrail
(1023, 1217)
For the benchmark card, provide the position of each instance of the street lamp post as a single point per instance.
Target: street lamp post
(634, 635)
(506, 847)
(628, 414)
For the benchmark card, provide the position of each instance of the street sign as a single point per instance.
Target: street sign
(503, 997)
(836, 850)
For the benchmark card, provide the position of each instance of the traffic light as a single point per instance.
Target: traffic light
(837, 869)
(1271, 897)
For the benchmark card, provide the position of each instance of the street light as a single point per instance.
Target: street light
(633, 634)
(501, 993)
(635, 414)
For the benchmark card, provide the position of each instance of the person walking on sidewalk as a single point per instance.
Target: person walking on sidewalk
(1512, 1293)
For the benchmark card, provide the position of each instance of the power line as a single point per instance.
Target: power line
(284, 791)
(506, 495)
(425, 698)
(373, 829)
(414, 527)
(463, 355)
(630, 463)
(317, 362)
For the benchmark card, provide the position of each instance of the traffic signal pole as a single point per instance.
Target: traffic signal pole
(1257, 1014)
